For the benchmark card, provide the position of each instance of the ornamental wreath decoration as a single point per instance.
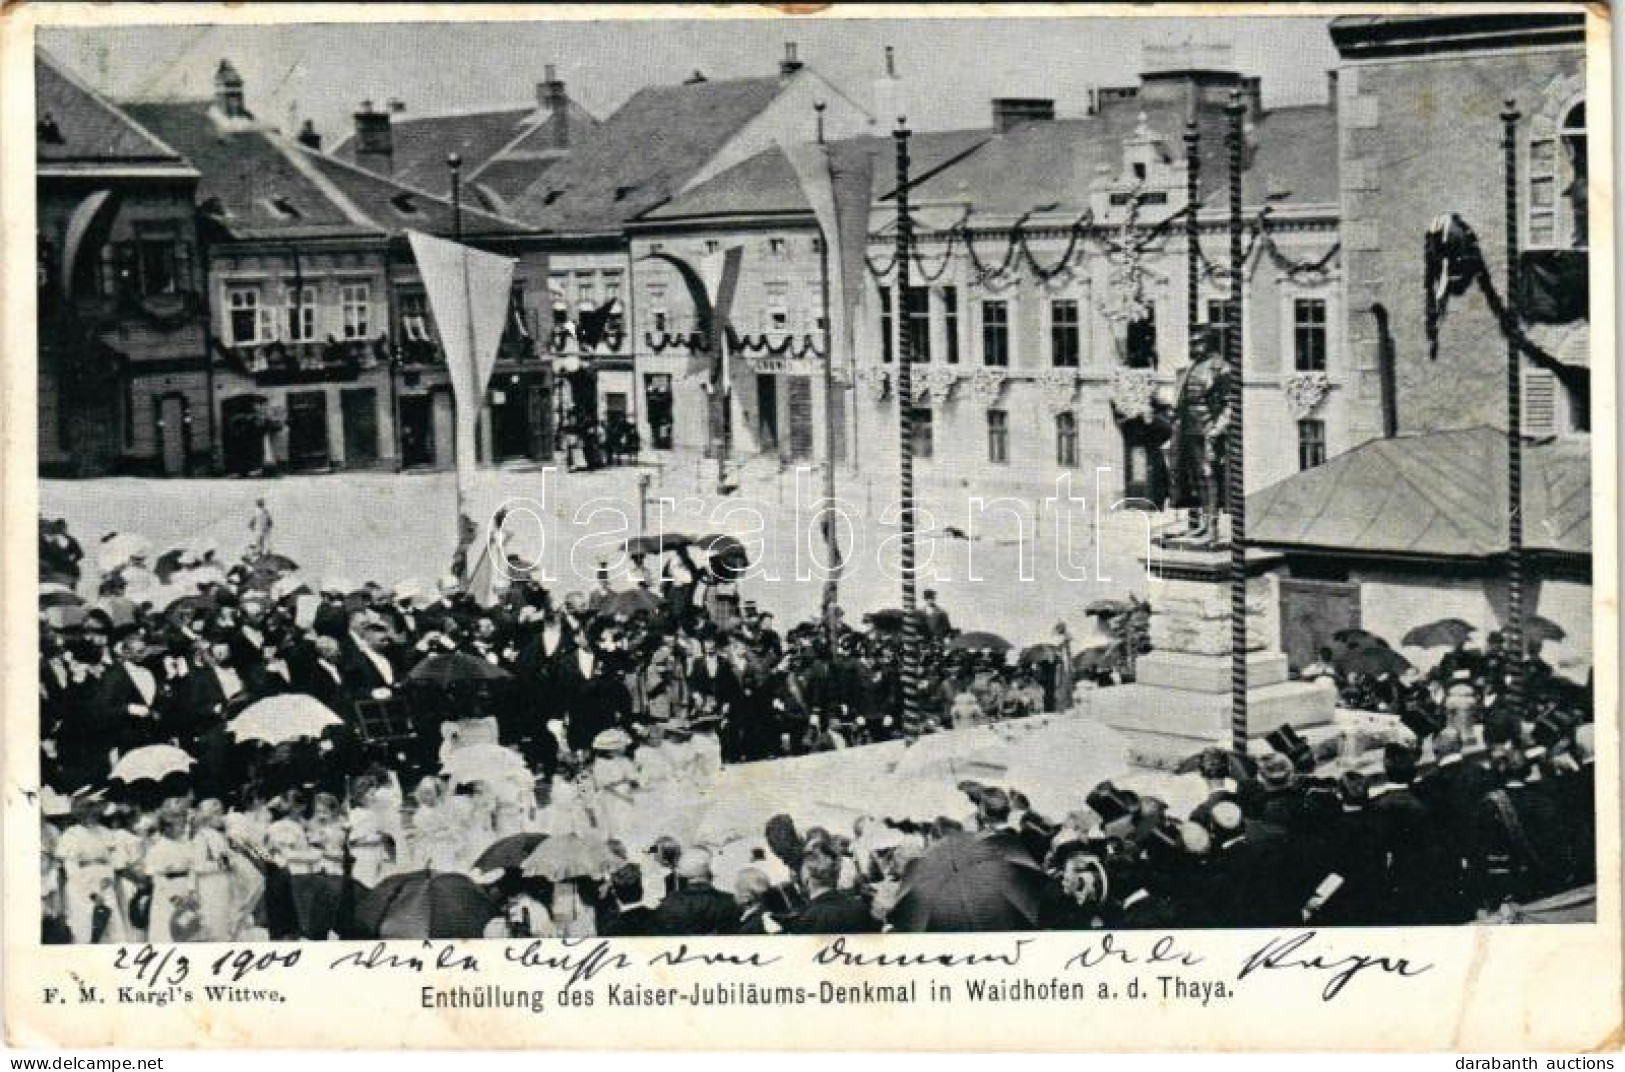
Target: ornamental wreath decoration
(935, 383)
(1132, 391)
(987, 384)
(876, 381)
(1058, 386)
(1305, 391)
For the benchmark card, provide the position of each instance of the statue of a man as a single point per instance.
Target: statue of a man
(1201, 420)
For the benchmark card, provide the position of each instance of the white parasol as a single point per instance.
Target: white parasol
(154, 762)
(279, 719)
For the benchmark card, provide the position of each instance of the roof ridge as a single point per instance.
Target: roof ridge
(56, 65)
(404, 188)
(294, 154)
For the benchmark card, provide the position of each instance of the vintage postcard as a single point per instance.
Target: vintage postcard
(951, 527)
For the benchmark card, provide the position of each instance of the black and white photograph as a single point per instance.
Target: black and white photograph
(661, 477)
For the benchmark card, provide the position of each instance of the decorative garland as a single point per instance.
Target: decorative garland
(782, 346)
(1304, 392)
(660, 342)
(1132, 391)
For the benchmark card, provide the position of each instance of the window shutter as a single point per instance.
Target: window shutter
(1539, 403)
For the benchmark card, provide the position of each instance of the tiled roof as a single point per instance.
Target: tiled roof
(643, 154)
(89, 129)
(1053, 162)
(766, 184)
(258, 188)
(420, 144)
(265, 184)
(1442, 494)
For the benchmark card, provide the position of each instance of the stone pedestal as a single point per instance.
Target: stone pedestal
(1180, 701)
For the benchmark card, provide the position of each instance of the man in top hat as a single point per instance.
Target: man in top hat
(934, 621)
(1201, 420)
(590, 695)
(128, 703)
(1420, 879)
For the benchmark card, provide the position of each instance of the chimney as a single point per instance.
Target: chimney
(1008, 111)
(694, 79)
(228, 91)
(1331, 87)
(789, 65)
(374, 144)
(396, 106)
(1252, 91)
(309, 138)
(554, 101)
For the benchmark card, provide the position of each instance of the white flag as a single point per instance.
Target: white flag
(469, 295)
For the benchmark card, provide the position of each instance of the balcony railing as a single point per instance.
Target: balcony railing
(278, 364)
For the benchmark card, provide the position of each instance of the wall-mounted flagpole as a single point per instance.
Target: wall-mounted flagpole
(464, 466)
(905, 431)
(832, 586)
(1235, 475)
(1514, 631)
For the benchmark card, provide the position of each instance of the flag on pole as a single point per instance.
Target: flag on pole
(711, 286)
(469, 292)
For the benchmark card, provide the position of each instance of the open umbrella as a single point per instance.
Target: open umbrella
(629, 603)
(325, 906)
(484, 763)
(725, 555)
(967, 883)
(155, 762)
(1039, 654)
(425, 904)
(58, 595)
(888, 620)
(187, 606)
(1537, 628)
(569, 856)
(64, 618)
(1372, 660)
(453, 668)
(1358, 638)
(120, 547)
(510, 852)
(654, 545)
(1444, 633)
(979, 641)
(279, 719)
(1105, 608)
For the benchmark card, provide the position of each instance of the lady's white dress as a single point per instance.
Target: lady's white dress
(368, 848)
(613, 780)
(436, 844)
(566, 812)
(169, 864)
(327, 837)
(89, 856)
(211, 864)
(289, 848)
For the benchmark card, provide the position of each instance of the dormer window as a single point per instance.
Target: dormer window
(47, 130)
(623, 192)
(285, 209)
(404, 204)
(552, 196)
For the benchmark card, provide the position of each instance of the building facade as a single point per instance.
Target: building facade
(1420, 100)
(122, 320)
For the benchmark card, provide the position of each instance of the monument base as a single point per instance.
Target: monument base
(1164, 725)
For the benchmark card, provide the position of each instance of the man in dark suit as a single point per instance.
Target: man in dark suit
(1452, 792)
(830, 910)
(934, 622)
(751, 888)
(591, 695)
(631, 918)
(1419, 878)
(127, 706)
(696, 907)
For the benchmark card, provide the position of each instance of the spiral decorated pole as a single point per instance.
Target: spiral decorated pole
(905, 432)
(1514, 632)
(1193, 253)
(1235, 473)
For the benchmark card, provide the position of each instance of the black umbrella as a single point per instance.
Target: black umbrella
(1040, 653)
(1537, 628)
(1371, 660)
(1444, 633)
(979, 641)
(454, 668)
(508, 853)
(653, 545)
(1105, 608)
(631, 602)
(425, 904)
(1356, 638)
(888, 620)
(968, 883)
(325, 905)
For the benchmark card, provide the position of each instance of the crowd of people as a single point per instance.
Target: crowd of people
(620, 706)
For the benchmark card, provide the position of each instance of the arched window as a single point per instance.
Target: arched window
(1558, 171)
